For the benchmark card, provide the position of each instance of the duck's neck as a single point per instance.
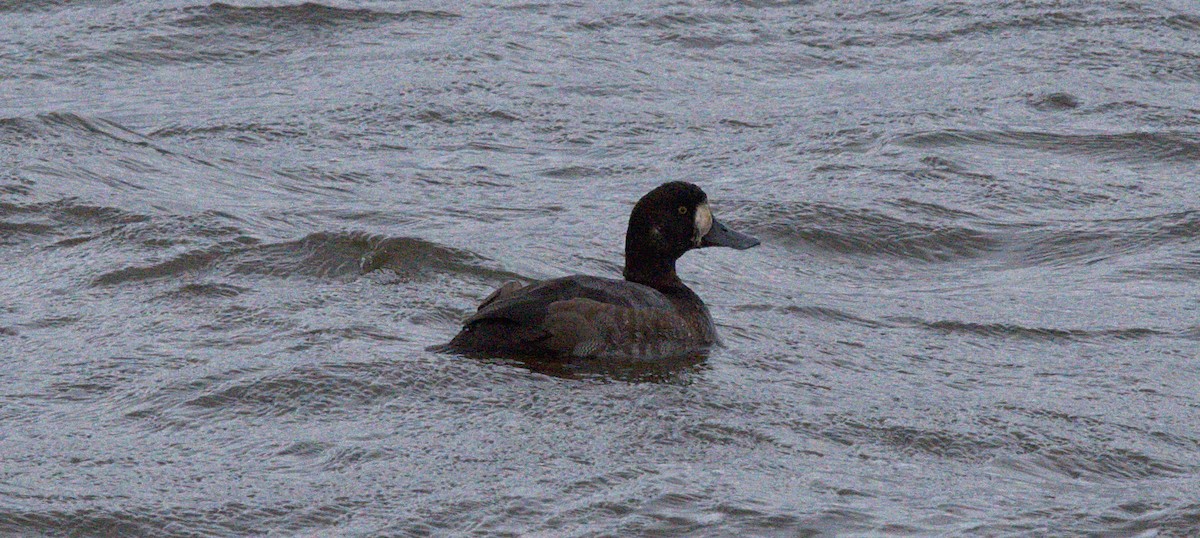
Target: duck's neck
(658, 274)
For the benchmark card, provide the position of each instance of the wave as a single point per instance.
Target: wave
(1137, 147)
(820, 313)
(1183, 267)
(309, 14)
(1016, 444)
(1012, 330)
(996, 330)
(1077, 462)
(221, 33)
(866, 232)
(92, 148)
(115, 516)
(662, 21)
(930, 233)
(1096, 240)
(25, 223)
(18, 131)
(304, 390)
(324, 255)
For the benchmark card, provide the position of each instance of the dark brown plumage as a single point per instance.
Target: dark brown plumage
(649, 315)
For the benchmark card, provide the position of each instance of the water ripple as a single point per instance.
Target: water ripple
(1136, 147)
(312, 14)
(869, 233)
(323, 255)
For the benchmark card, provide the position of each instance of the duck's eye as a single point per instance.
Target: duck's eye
(683, 210)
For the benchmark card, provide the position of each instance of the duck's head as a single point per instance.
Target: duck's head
(667, 222)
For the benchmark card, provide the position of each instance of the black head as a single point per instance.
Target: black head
(667, 222)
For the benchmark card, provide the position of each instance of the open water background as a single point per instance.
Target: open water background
(228, 232)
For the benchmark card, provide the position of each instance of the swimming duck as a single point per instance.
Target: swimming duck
(649, 315)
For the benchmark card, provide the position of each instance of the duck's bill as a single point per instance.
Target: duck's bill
(721, 236)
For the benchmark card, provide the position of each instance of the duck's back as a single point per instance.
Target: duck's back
(587, 316)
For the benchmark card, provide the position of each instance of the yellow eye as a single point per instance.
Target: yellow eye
(682, 210)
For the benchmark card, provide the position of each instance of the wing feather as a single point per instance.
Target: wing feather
(530, 305)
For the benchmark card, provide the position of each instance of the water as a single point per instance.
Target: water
(229, 232)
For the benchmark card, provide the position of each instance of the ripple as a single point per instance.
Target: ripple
(324, 255)
(98, 522)
(302, 390)
(1090, 241)
(1009, 330)
(1183, 267)
(1111, 464)
(206, 519)
(98, 160)
(1136, 147)
(821, 313)
(221, 33)
(191, 262)
(961, 446)
(242, 131)
(58, 121)
(1054, 102)
(308, 14)
(206, 290)
(863, 232)
(23, 223)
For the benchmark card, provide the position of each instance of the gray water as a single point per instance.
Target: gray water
(228, 233)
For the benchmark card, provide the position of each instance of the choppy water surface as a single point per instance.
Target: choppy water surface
(228, 232)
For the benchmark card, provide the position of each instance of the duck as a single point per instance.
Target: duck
(649, 315)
